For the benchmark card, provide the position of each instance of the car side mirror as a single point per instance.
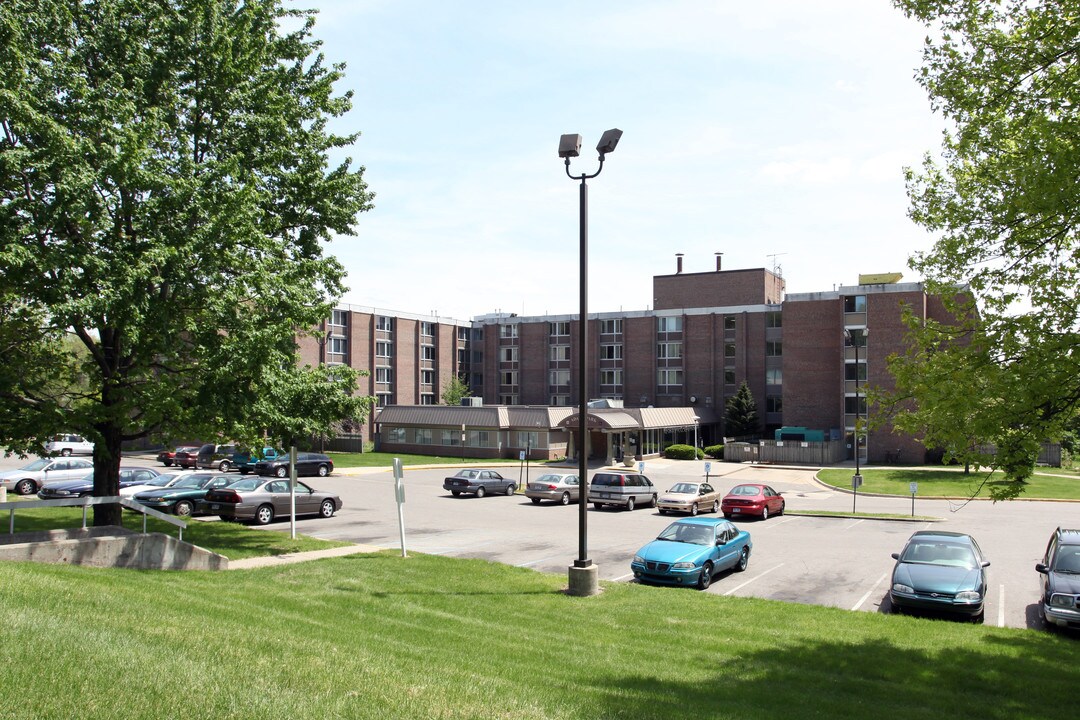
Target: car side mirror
(1041, 568)
(896, 556)
(986, 563)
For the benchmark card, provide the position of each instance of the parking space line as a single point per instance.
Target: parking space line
(1001, 605)
(756, 577)
(870, 591)
(623, 577)
(857, 522)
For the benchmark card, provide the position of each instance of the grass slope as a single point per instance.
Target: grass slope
(950, 483)
(378, 636)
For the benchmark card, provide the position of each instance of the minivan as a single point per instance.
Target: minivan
(624, 489)
(212, 456)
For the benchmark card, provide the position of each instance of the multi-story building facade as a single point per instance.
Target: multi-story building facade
(707, 333)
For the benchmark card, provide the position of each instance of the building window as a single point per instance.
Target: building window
(508, 399)
(508, 354)
(611, 377)
(729, 322)
(729, 350)
(528, 439)
(774, 404)
(669, 324)
(338, 346)
(427, 377)
(559, 378)
(669, 377)
(854, 303)
(559, 329)
(560, 400)
(560, 353)
(384, 375)
(382, 322)
(427, 352)
(669, 350)
(773, 319)
(774, 348)
(423, 436)
(855, 371)
(774, 376)
(395, 434)
(339, 318)
(611, 327)
(463, 334)
(612, 351)
(508, 331)
(508, 377)
(855, 405)
(384, 399)
(729, 376)
(427, 398)
(427, 329)
(462, 356)
(383, 348)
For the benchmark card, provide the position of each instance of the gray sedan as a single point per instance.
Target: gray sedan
(262, 499)
(479, 483)
(564, 488)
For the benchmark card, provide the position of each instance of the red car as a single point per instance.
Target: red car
(752, 499)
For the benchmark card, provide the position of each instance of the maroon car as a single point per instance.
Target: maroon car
(186, 457)
(168, 457)
(752, 499)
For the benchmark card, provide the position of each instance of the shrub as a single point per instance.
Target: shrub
(715, 451)
(682, 452)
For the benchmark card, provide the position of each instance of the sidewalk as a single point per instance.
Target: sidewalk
(289, 558)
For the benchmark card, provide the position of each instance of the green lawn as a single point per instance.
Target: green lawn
(378, 636)
(232, 540)
(381, 459)
(949, 483)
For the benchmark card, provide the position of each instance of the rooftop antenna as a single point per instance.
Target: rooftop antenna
(777, 269)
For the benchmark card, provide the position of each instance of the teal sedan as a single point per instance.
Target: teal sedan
(183, 498)
(691, 552)
(940, 571)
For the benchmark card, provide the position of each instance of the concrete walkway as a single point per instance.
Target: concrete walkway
(288, 558)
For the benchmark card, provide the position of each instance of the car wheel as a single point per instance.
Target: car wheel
(327, 509)
(781, 510)
(224, 466)
(744, 560)
(281, 471)
(323, 471)
(66, 452)
(727, 516)
(598, 506)
(25, 487)
(480, 491)
(653, 501)
(978, 619)
(455, 493)
(705, 579)
(662, 511)
(629, 503)
(263, 515)
(565, 499)
(183, 508)
(244, 471)
(693, 510)
(536, 501)
(765, 513)
(716, 506)
(511, 489)
(167, 463)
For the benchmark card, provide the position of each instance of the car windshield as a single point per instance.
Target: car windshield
(687, 533)
(939, 553)
(467, 474)
(550, 479)
(684, 488)
(194, 481)
(162, 480)
(1068, 560)
(36, 465)
(745, 490)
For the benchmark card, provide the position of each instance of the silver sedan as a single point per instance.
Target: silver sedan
(564, 488)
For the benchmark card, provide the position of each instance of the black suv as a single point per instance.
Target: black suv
(1060, 571)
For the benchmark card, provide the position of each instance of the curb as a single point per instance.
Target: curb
(292, 558)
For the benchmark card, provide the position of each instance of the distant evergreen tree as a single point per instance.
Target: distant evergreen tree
(454, 391)
(740, 414)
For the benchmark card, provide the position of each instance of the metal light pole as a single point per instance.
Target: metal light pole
(584, 574)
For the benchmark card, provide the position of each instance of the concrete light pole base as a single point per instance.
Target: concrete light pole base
(584, 581)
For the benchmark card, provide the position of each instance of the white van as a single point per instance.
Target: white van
(69, 445)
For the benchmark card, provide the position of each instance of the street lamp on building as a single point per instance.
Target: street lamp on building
(857, 337)
(584, 574)
(696, 421)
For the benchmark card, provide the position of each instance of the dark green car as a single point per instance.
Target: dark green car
(183, 498)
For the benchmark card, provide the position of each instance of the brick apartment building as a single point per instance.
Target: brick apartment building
(707, 333)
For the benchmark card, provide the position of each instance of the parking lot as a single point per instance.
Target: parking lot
(837, 562)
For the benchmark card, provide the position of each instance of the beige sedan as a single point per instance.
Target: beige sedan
(689, 497)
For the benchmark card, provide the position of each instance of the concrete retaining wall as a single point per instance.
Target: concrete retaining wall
(112, 547)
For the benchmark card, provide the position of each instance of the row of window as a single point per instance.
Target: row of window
(666, 324)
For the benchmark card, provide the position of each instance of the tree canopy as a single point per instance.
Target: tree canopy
(166, 188)
(454, 391)
(1003, 200)
(740, 414)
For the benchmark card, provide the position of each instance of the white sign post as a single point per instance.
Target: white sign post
(914, 487)
(399, 495)
(708, 467)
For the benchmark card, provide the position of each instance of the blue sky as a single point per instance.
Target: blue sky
(774, 132)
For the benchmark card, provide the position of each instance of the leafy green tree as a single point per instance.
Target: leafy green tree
(1002, 200)
(165, 192)
(454, 391)
(740, 414)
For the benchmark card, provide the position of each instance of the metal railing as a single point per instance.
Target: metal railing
(86, 502)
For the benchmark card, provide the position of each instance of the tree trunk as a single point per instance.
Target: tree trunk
(107, 475)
